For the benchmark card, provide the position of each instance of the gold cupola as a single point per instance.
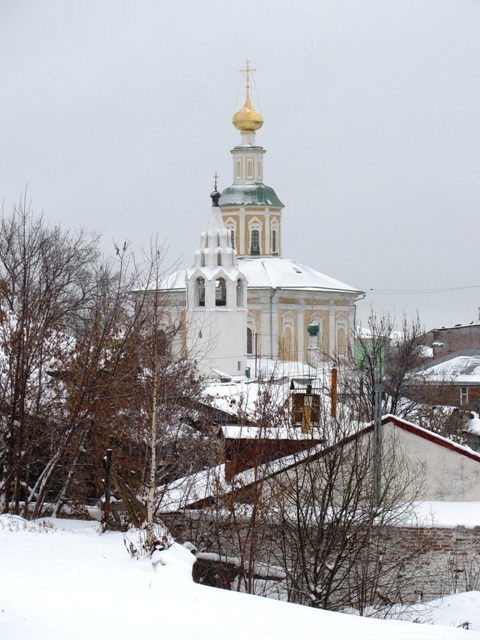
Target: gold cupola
(247, 119)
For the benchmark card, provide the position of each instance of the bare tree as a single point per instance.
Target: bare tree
(46, 280)
(167, 388)
(386, 352)
(86, 366)
(333, 527)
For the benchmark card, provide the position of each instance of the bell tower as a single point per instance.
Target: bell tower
(250, 209)
(217, 301)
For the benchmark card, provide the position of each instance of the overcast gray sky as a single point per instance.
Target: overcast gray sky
(117, 113)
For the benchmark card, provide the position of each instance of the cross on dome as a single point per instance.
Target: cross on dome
(247, 71)
(247, 119)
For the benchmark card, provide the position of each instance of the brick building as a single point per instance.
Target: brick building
(453, 380)
(448, 340)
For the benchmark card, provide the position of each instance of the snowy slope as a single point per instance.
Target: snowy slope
(78, 585)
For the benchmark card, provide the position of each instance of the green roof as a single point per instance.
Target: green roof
(243, 194)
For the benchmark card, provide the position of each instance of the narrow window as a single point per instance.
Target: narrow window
(255, 242)
(342, 341)
(232, 238)
(219, 259)
(220, 292)
(464, 395)
(162, 343)
(249, 341)
(218, 239)
(201, 292)
(274, 241)
(240, 302)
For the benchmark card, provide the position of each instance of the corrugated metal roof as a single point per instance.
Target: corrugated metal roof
(462, 367)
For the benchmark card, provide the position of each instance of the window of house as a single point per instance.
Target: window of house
(463, 395)
(220, 292)
(255, 242)
(249, 341)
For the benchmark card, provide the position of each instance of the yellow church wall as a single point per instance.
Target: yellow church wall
(228, 218)
(243, 216)
(322, 318)
(287, 331)
(312, 302)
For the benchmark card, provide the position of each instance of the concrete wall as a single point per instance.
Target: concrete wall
(449, 475)
(448, 559)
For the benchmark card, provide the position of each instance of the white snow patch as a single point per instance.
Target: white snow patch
(71, 583)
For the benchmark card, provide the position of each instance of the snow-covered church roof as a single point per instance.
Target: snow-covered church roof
(275, 273)
(282, 273)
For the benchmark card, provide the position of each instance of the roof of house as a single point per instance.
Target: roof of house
(473, 324)
(202, 488)
(461, 367)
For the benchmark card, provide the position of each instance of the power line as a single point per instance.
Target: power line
(420, 291)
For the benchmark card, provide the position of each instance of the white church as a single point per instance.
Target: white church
(241, 298)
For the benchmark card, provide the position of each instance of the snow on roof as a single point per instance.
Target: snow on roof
(278, 375)
(267, 368)
(462, 367)
(211, 483)
(473, 323)
(247, 432)
(473, 424)
(273, 273)
(282, 273)
(445, 514)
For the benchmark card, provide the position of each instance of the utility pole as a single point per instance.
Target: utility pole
(377, 441)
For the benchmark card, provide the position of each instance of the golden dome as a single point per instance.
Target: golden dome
(247, 119)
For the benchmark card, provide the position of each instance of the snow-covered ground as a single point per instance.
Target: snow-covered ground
(64, 581)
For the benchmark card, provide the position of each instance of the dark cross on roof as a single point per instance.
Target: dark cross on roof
(215, 196)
